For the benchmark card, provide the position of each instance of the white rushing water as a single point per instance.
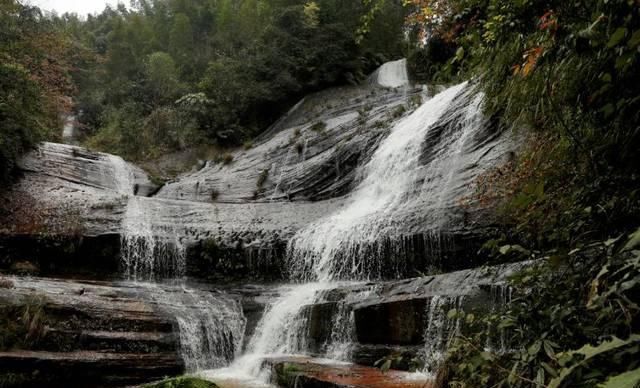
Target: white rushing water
(328, 251)
(69, 129)
(331, 248)
(210, 325)
(148, 250)
(281, 331)
(393, 74)
(440, 330)
(419, 165)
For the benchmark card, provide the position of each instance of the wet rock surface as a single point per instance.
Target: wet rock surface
(296, 372)
(399, 311)
(117, 333)
(299, 171)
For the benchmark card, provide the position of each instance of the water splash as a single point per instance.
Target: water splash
(281, 331)
(343, 326)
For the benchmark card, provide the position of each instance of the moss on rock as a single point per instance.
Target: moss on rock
(182, 382)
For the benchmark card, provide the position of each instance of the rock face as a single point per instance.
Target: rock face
(406, 317)
(299, 172)
(91, 330)
(116, 333)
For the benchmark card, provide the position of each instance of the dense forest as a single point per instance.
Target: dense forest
(161, 76)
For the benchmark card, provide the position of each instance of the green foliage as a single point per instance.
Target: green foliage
(563, 67)
(230, 68)
(33, 81)
(262, 178)
(162, 76)
(545, 323)
(319, 126)
(23, 325)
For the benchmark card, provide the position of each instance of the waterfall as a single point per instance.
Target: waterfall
(149, 247)
(496, 341)
(343, 327)
(399, 178)
(440, 330)
(69, 129)
(281, 330)
(211, 327)
(336, 247)
(393, 74)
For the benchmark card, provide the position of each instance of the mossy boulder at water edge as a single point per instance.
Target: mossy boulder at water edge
(182, 382)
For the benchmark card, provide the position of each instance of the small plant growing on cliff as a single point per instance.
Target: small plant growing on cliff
(398, 112)
(6, 283)
(319, 126)
(262, 178)
(214, 194)
(23, 325)
(227, 158)
(380, 124)
(415, 100)
(247, 145)
(157, 180)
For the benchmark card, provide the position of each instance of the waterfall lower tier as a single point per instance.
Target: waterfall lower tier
(150, 249)
(210, 326)
(440, 330)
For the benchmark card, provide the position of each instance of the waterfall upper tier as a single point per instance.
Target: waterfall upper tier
(363, 169)
(393, 74)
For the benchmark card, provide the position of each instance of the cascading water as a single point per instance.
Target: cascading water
(336, 247)
(501, 296)
(343, 335)
(331, 249)
(280, 331)
(393, 74)
(211, 327)
(148, 250)
(440, 330)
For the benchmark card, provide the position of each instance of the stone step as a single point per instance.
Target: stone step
(87, 368)
(295, 372)
(115, 341)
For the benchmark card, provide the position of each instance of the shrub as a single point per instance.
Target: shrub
(398, 111)
(214, 194)
(262, 178)
(319, 126)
